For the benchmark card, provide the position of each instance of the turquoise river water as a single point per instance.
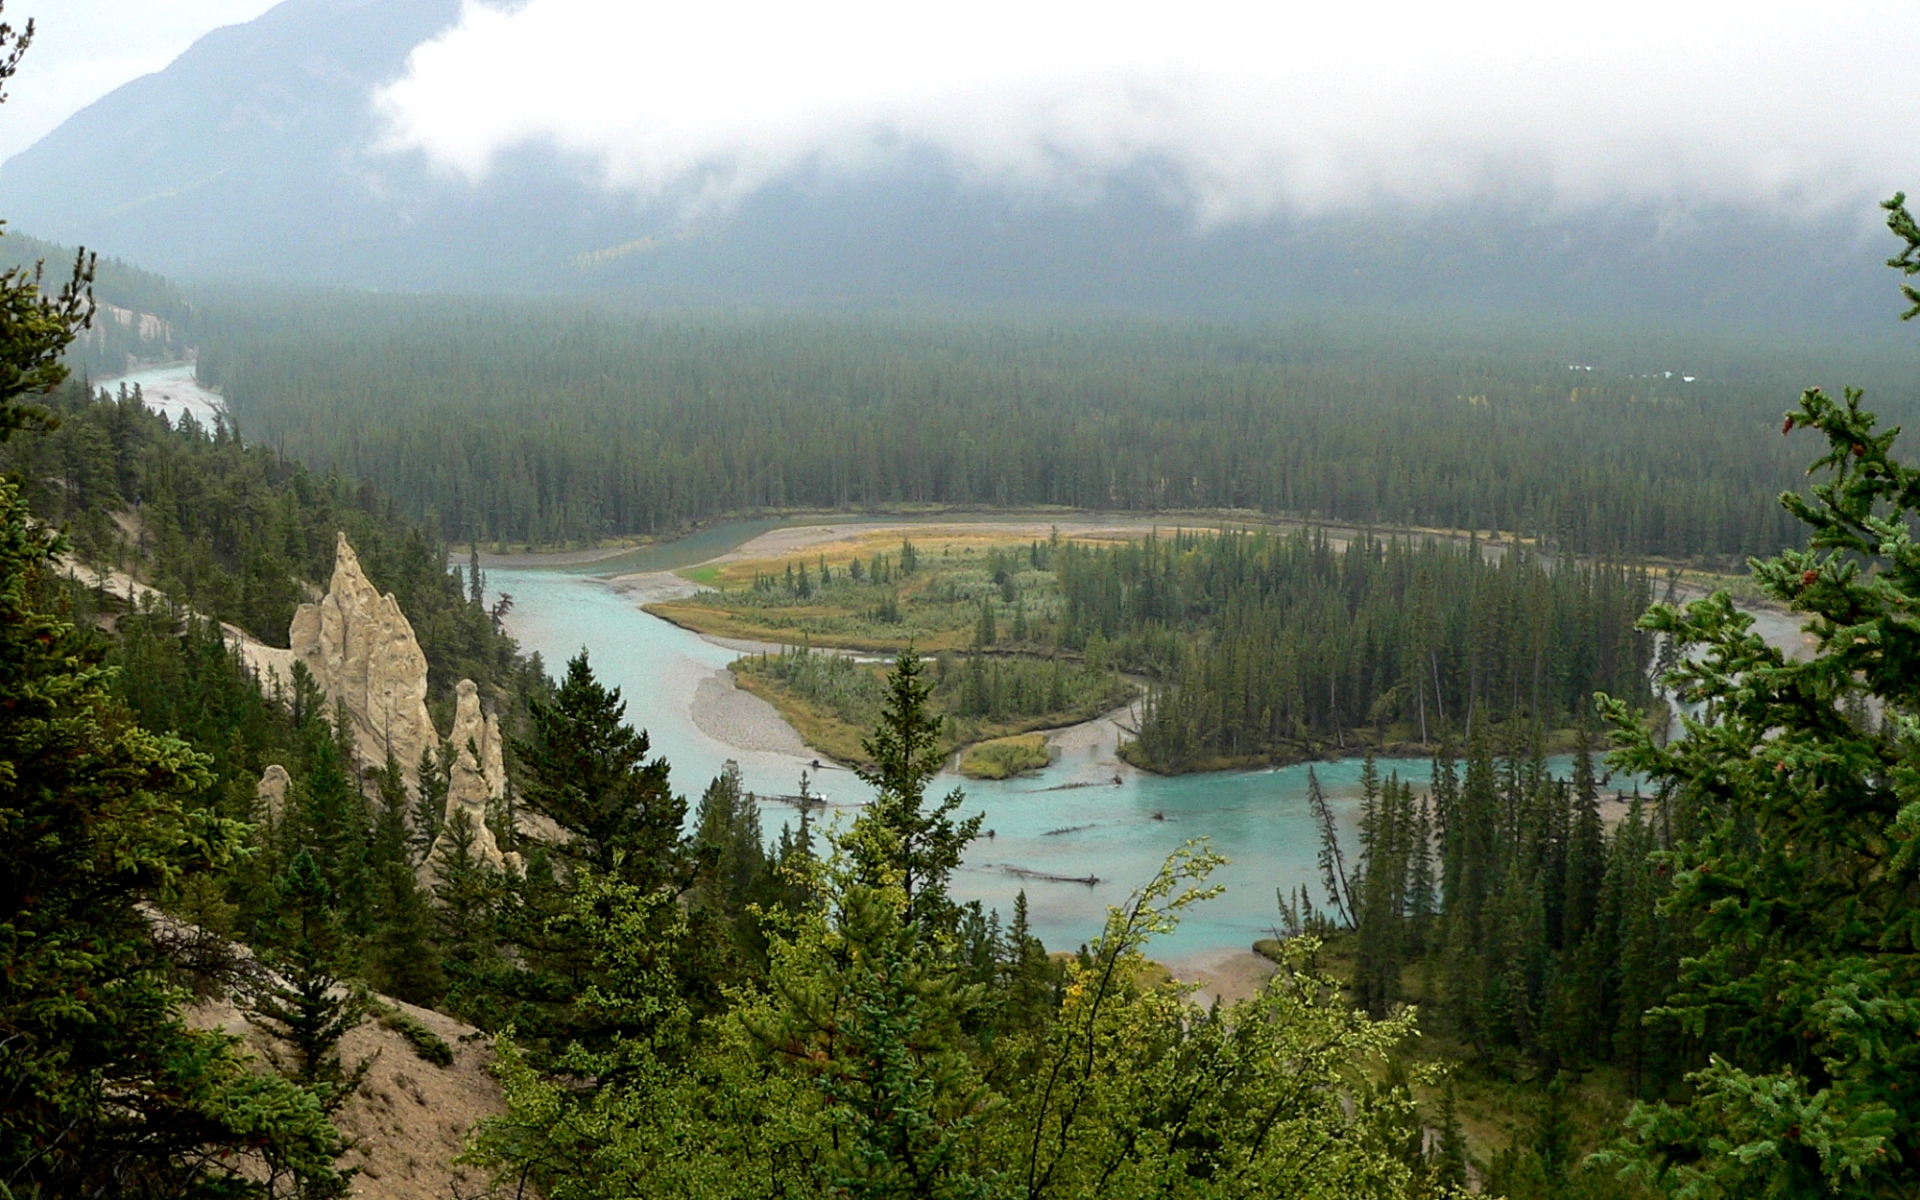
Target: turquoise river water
(1119, 833)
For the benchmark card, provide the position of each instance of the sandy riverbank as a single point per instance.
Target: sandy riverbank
(1085, 755)
(780, 542)
(1227, 975)
(741, 719)
(651, 587)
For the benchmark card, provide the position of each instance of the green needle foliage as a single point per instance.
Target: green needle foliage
(588, 772)
(311, 1004)
(1799, 782)
(874, 1058)
(35, 330)
(38, 330)
(103, 1090)
(903, 841)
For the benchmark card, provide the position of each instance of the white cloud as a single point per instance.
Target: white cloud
(1247, 108)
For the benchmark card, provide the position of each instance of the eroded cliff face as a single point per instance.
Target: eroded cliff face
(361, 650)
(271, 794)
(477, 774)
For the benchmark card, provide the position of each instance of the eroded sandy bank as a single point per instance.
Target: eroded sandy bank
(1227, 975)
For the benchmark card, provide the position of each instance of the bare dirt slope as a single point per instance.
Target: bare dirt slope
(410, 1118)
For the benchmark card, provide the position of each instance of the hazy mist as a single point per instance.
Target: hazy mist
(1240, 109)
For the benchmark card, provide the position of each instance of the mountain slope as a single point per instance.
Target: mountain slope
(251, 156)
(242, 145)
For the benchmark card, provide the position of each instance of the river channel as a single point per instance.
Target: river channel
(1071, 820)
(1118, 833)
(1087, 815)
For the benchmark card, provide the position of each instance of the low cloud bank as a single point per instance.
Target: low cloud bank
(1239, 110)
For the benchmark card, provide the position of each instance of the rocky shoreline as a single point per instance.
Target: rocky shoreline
(741, 719)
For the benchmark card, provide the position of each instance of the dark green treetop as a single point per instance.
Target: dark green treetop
(919, 845)
(100, 816)
(1801, 782)
(588, 770)
(34, 328)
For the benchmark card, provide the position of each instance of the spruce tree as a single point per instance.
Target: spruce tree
(310, 1001)
(727, 836)
(915, 845)
(589, 771)
(104, 1089)
(1586, 851)
(1800, 879)
(1378, 891)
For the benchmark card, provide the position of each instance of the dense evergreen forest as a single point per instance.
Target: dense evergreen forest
(1256, 647)
(545, 425)
(237, 532)
(1271, 648)
(1525, 923)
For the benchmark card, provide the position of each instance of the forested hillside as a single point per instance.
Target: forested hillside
(236, 532)
(141, 316)
(1269, 648)
(549, 425)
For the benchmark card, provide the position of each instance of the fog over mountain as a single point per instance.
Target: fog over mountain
(1662, 164)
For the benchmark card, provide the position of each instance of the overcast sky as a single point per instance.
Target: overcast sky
(1239, 108)
(1242, 108)
(83, 49)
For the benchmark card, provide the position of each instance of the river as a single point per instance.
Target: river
(170, 388)
(1117, 832)
(1071, 820)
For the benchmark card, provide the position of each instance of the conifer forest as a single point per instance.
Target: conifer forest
(317, 880)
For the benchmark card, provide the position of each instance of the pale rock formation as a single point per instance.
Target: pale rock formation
(362, 652)
(271, 796)
(477, 775)
(479, 770)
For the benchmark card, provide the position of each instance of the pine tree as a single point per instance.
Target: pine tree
(588, 771)
(1474, 870)
(102, 817)
(1451, 1156)
(466, 920)
(1029, 977)
(1797, 868)
(332, 822)
(984, 634)
(430, 800)
(915, 846)
(727, 833)
(1333, 865)
(402, 959)
(309, 1003)
(1586, 852)
(1420, 879)
(1379, 879)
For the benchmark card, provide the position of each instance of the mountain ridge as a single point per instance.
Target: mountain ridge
(251, 157)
